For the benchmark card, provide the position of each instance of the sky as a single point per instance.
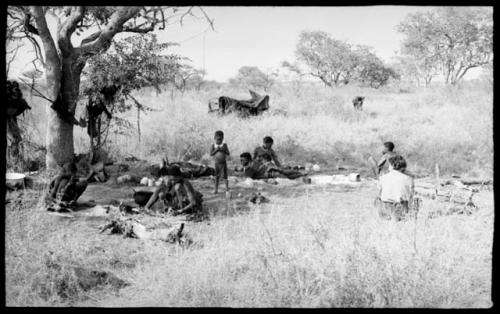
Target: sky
(267, 36)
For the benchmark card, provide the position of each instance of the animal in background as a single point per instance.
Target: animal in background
(358, 102)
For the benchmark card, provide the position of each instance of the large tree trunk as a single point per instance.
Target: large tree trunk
(59, 139)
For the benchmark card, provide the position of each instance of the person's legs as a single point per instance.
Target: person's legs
(384, 209)
(156, 193)
(401, 210)
(79, 188)
(218, 170)
(60, 189)
(291, 174)
(224, 175)
(74, 191)
(179, 195)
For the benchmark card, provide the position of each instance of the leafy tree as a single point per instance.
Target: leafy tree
(293, 73)
(63, 60)
(130, 64)
(376, 74)
(455, 39)
(369, 69)
(253, 77)
(328, 59)
(416, 70)
(188, 75)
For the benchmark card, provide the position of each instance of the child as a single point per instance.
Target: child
(266, 149)
(220, 152)
(386, 154)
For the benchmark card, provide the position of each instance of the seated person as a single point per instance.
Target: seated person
(396, 190)
(266, 149)
(252, 168)
(178, 193)
(65, 188)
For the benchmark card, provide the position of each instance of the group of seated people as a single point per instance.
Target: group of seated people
(265, 163)
(176, 192)
(395, 185)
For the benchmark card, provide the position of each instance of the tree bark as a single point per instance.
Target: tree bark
(59, 140)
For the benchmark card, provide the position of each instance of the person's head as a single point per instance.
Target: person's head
(175, 172)
(397, 163)
(388, 147)
(245, 158)
(268, 142)
(219, 137)
(69, 168)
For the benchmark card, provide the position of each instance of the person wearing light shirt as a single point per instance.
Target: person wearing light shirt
(396, 190)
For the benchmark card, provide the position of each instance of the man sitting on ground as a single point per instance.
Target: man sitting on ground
(396, 190)
(266, 149)
(66, 188)
(178, 193)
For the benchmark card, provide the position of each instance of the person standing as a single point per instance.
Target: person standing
(220, 151)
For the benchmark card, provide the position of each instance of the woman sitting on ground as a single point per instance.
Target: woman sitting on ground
(396, 190)
(177, 193)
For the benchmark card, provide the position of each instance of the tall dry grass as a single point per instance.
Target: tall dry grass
(321, 251)
(449, 127)
(316, 250)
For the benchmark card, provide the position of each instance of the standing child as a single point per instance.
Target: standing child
(220, 152)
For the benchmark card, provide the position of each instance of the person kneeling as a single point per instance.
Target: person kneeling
(396, 190)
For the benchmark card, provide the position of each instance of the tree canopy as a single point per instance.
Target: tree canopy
(54, 33)
(336, 62)
(452, 39)
(254, 78)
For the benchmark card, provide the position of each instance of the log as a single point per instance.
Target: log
(469, 182)
(444, 196)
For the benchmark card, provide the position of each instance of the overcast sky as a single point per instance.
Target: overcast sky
(266, 36)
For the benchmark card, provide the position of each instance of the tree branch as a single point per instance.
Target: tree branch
(210, 21)
(30, 28)
(138, 29)
(37, 48)
(91, 37)
(104, 37)
(47, 41)
(67, 28)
